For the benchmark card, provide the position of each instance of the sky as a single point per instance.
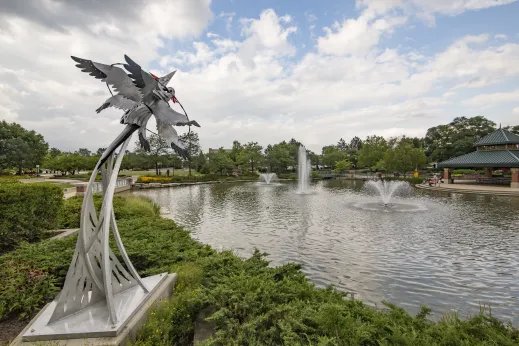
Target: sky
(264, 70)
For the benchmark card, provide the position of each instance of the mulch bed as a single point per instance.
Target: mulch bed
(9, 329)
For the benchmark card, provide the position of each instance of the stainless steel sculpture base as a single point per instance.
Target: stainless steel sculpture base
(93, 321)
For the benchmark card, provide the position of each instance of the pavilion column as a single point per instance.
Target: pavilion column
(447, 176)
(488, 172)
(515, 178)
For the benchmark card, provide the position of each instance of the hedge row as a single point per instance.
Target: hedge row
(27, 211)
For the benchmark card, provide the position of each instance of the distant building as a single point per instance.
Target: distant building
(211, 150)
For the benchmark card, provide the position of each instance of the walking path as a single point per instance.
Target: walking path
(472, 188)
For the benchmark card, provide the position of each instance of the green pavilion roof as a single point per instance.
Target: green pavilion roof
(498, 137)
(478, 159)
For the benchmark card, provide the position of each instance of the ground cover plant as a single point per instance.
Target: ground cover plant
(250, 302)
(27, 211)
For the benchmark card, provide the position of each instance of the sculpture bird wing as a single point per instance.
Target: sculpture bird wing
(117, 101)
(168, 133)
(165, 114)
(141, 79)
(112, 75)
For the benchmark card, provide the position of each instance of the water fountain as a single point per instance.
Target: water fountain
(303, 170)
(386, 189)
(267, 178)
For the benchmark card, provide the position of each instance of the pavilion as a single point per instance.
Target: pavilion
(499, 149)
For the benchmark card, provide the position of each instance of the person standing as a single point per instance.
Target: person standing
(167, 172)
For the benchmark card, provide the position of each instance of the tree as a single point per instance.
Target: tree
(314, 158)
(100, 151)
(66, 162)
(456, 138)
(342, 166)
(20, 148)
(159, 151)
(220, 161)
(513, 129)
(353, 156)
(53, 152)
(84, 152)
(199, 161)
(355, 143)
(332, 155)
(404, 158)
(279, 156)
(236, 150)
(251, 153)
(192, 145)
(372, 151)
(342, 145)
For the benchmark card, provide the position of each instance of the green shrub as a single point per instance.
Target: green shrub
(466, 171)
(152, 243)
(291, 176)
(27, 211)
(130, 206)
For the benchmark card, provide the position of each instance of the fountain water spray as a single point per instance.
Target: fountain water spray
(386, 189)
(303, 170)
(268, 177)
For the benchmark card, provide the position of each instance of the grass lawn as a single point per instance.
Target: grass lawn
(63, 186)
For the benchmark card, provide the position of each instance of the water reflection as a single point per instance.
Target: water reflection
(460, 251)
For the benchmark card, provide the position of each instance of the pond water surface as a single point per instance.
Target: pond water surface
(451, 252)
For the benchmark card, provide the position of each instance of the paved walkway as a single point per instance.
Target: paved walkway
(472, 188)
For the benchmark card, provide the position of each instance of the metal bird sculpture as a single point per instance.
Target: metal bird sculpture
(140, 94)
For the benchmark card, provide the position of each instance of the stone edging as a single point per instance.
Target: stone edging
(160, 185)
(467, 191)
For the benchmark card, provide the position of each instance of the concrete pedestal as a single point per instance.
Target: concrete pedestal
(91, 327)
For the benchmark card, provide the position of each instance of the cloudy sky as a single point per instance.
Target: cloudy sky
(264, 70)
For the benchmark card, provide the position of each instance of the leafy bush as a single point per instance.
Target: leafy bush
(291, 176)
(466, 171)
(130, 206)
(43, 266)
(254, 304)
(27, 211)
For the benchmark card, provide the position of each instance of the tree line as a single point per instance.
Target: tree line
(22, 149)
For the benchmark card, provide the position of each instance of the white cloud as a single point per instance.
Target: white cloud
(356, 36)
(268, 34)
(426, 8)
(516, 110)
(250, 88)
(501, 37)
(491, 99)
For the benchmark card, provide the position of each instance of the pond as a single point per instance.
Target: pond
(451, 252)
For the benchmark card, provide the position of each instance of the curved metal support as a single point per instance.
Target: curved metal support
(95, 273)
(107, 210)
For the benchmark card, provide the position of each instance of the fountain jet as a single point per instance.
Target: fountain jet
(386, 189)
(303, 170)
(268, 177)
